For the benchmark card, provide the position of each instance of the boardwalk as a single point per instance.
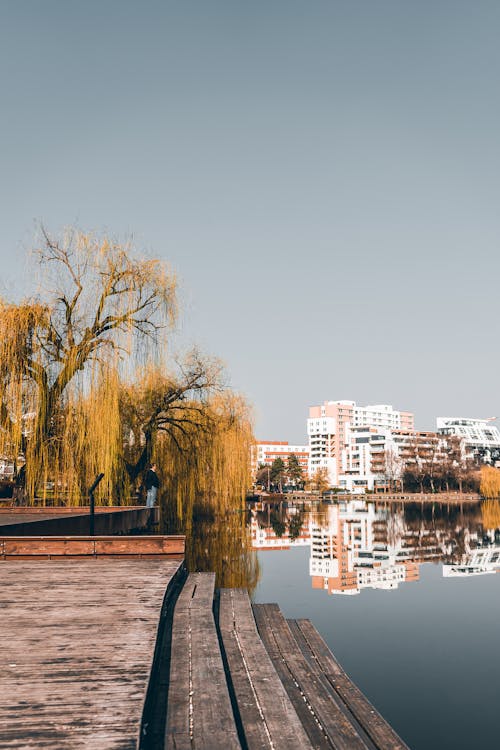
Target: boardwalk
(75, 520)
(78, 639)
(245, 677)
(101, 651)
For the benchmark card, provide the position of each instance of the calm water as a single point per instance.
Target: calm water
(407, 600)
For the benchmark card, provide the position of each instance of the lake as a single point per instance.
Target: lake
(407, 598)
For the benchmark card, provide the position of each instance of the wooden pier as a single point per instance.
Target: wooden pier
(62, 521)
(78, 635)
(118, 649)
(244, 677)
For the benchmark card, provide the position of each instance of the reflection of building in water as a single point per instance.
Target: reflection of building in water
(482, 556)
(351, 551)
(357, 544)
(270, 530)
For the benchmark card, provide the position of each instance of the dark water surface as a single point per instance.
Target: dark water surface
(414, 610)
(406, 596)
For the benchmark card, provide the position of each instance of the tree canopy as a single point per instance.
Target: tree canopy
(87, 379)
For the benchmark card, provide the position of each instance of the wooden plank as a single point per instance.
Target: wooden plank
(306, 651)
(145, 544)
(199, 712)
(378, 729)
(77, 646)
(309, 721)
(53, 546)
(67, 510)
(45, 546)
(267, 714)
(312, 684)
(178, 736)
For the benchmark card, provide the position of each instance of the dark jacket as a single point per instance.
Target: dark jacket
(151, 479)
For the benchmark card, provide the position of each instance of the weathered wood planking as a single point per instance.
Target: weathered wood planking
(199, 712)
(74, 546)
(267, 715)
(309, 684)
(366, 714)
(78, 640)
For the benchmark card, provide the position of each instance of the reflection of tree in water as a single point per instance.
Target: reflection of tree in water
(295, 523)
(319, 515)
(274, 516)
(278, 525)
(490, 510)
(451, 528)
(279, 518)
(220, 543)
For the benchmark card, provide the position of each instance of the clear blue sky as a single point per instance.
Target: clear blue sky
(323, 175)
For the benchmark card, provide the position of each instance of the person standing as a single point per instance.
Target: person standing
(152, 485)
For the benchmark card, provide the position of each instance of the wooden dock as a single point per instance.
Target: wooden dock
(63, 521)
(78, 638)
(114, 651)
(243, 677)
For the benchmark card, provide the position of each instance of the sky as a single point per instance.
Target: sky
(323, 176)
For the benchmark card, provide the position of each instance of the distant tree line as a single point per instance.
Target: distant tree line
(280, 474)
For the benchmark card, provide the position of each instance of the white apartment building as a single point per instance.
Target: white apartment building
(364, 460)
(382, 416)
(481, 438)
(330, 427)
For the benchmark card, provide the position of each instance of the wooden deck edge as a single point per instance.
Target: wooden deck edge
(338, 722)
(78, 547)
(62, 510)
(154, 712)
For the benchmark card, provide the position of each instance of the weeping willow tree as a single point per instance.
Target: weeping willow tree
(490, 482)
(206, 474)
(86, 384)
(98, 310)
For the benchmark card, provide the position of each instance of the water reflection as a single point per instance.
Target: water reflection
(218, 542)
(356, 544)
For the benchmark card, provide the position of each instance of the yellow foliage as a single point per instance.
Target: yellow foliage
(490, 482)
(209, 465)
(319, 481)
(490, 510)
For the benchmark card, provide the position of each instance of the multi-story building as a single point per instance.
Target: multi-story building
(480, 437)
(265, 452)
(375, 459)
(365, 463)
(331, 425)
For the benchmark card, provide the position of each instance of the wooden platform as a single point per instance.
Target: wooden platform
(96, 653)
(35, 521)
(199, 711)
(78, 638)
(265, 711)
(334, 711)
(284, 685)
